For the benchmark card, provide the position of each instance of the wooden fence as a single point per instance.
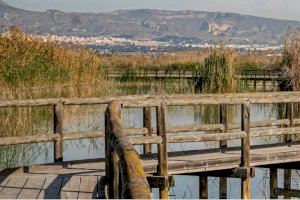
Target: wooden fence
(120, 149)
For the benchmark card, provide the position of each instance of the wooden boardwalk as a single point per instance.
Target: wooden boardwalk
(86, 181)
(125, 174)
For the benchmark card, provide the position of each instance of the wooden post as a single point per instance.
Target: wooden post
(162, 148)
(254, 84)
(289, 115)
(147, 123)
(223, 145)
(287, 181)
(273, 84)
(58, 128)
(203, 187)
(108, 161)
(245, 162)
(224, 120)
(264, 85)
(223, 188)
(273, 183)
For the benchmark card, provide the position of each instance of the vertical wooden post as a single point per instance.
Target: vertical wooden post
(224, 121)
(223, 145)
(264, 85)
(203, 187)
(245, 162)
(254, 84)
(287, 181)
(273, 84)
(58, 128)
(273, 183)
(108, 161)
(147, 123)
(162, 148)
(289, 115)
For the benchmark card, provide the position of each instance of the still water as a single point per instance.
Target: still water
(92, 118)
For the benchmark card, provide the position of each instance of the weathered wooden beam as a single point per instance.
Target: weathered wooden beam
(161, 181)
(290, 165)
(193, 128)
(262, 123)
(275, 131)
(207, 137)
(146, 140)
(287, 192)
(133, 178)
(58, 113)
(238, 172)
(28, 103)
(29, 139)
(162, 148)
(273, 183)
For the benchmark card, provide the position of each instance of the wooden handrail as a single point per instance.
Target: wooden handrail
(134, 184)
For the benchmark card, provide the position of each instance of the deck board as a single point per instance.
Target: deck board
(13, 187)
(83, 181)
(70, 188)
(32, 188)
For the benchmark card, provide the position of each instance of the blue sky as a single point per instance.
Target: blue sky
(282, 9)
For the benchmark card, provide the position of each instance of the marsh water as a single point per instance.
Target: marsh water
(92, 118)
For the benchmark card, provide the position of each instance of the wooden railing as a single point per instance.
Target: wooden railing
(119, 148)
(124, 170)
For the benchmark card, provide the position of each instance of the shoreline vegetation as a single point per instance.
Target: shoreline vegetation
(33, 68)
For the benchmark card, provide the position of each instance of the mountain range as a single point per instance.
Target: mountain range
(146, 24)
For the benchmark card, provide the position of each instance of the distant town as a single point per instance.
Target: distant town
(107, 44)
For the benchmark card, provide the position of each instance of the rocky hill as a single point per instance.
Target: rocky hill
(157, 25)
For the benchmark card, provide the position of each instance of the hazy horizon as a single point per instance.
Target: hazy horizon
(278, 9)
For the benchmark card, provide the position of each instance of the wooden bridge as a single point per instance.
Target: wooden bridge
(247, 76)
(126, 174)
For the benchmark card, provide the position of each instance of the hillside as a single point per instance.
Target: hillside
(151, 24)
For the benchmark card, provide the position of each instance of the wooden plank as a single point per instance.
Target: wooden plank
(3, 182)
(87, 187)
(51, 188)
(70, 187)
(29, 139)
(28, 103)
(146, 140)
(274, 132)
(32, 188)
(194, 128)
(13, 187)
(262, 123)
(207, 137)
